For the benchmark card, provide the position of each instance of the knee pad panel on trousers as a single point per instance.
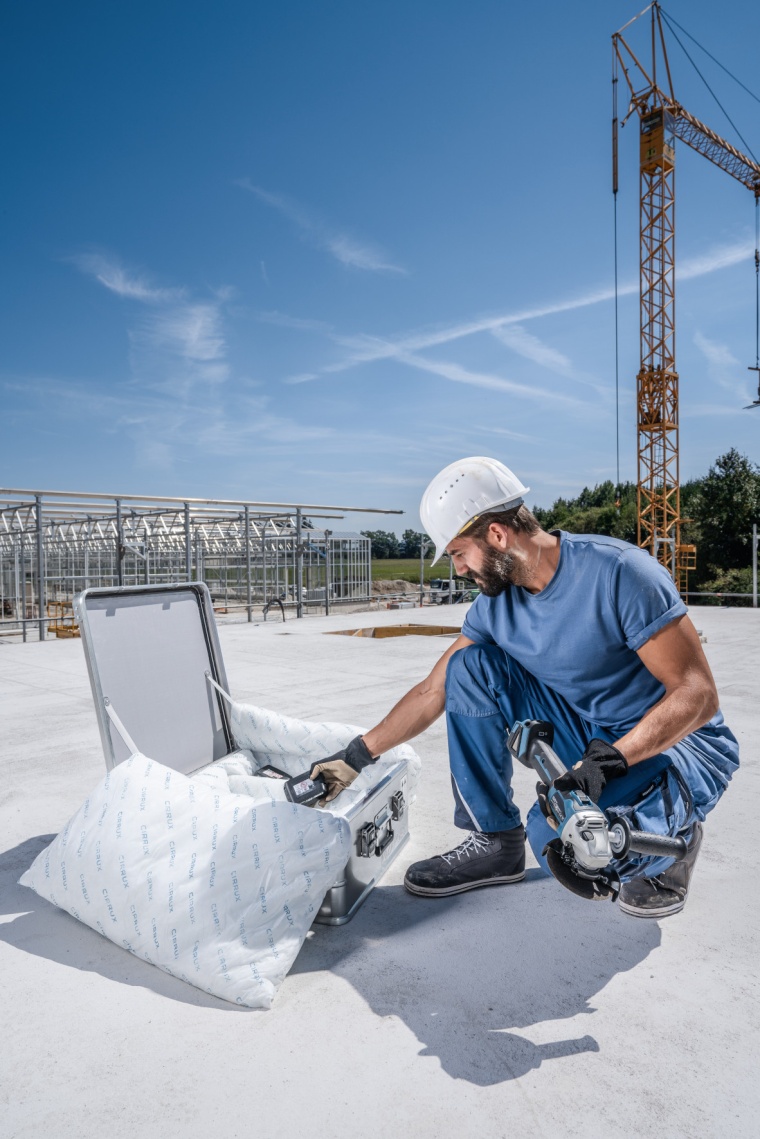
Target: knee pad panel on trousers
(475, 676)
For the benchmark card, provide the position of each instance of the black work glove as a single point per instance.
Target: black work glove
(599, 763)
(339, 771)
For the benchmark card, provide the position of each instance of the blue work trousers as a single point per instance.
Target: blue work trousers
(487, 690)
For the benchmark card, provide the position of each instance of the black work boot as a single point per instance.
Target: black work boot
(481, 860)
(666, 894)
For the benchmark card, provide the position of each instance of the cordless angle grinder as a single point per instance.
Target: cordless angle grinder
(587, 840)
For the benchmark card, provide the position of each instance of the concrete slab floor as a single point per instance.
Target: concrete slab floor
(517, 1010)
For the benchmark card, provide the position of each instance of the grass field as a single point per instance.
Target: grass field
(406, 569)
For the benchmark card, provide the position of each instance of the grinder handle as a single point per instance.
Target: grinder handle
(624, 839)
(530, 742)
(658, 844)
(545, 762)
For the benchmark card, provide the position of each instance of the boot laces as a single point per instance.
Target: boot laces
(474, 844)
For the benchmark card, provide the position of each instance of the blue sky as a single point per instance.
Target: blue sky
(316, 251)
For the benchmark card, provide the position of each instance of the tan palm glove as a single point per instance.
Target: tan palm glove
(340, 770)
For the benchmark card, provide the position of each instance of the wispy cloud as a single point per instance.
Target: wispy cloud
(181, 346)
(114, 277)
(724, 368)
(178, 342)
(360, 475)
(346, 249)
(532, 348)
(460, 375)
(507, 327)
(720, 359)
(711, 410)
(194, 331)
(283, 320)
(301, 378)
(719, 257)
(358, 255)
(171, 408)
(219, 432)
(516, 435)
(167, 432)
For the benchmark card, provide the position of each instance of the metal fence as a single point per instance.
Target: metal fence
(250, 554)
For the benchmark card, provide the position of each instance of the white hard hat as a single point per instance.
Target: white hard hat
(463, 491)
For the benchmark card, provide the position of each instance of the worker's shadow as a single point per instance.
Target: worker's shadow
(41, 928)
(463, 972)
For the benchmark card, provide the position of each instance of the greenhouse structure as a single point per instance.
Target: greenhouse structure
(252, 555)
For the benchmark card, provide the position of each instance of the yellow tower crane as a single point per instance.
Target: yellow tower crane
(662, 120)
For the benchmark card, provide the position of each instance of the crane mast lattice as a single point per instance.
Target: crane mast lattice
(662, 120)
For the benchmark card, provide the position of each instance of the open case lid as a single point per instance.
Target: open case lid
(149, 651)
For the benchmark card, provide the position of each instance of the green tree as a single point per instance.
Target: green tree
(724, 505)
(384, 543)
(597, 510)
(602, 495)
(719, 511)
(410, 544)
(728, 581)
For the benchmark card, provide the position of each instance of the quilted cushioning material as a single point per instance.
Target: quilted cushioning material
(215, 888)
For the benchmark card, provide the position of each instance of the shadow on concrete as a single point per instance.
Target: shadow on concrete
(463, 972)
(46, 931)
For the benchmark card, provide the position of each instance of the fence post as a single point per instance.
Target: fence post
(20, 609)
(424, 547)
(248, 560)
(40, 568)
(188, 546)
(299, 564)
(422, 570)
(754, 565)
(264, 559)
(328, 571)
(23, 584)
(119, 545)
(369, 569)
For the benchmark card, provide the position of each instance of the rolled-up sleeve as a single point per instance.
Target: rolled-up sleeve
(644, 596)
(476, 623)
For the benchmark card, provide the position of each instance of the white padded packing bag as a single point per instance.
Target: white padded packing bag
(218, 889)
(216, 877)
(294, 745)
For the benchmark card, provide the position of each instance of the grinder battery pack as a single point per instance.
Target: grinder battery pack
(304, 790)
(270, 772)
(301, 789)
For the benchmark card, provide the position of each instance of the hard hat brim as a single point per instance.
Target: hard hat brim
(508, 504)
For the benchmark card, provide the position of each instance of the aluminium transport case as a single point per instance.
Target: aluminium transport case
(150, 652)
(379, 824)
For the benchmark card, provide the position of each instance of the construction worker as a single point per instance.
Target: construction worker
(587, 632)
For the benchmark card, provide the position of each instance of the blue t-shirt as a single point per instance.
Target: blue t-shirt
(580, 634)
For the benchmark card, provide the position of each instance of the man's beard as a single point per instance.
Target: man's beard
(500, 570)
